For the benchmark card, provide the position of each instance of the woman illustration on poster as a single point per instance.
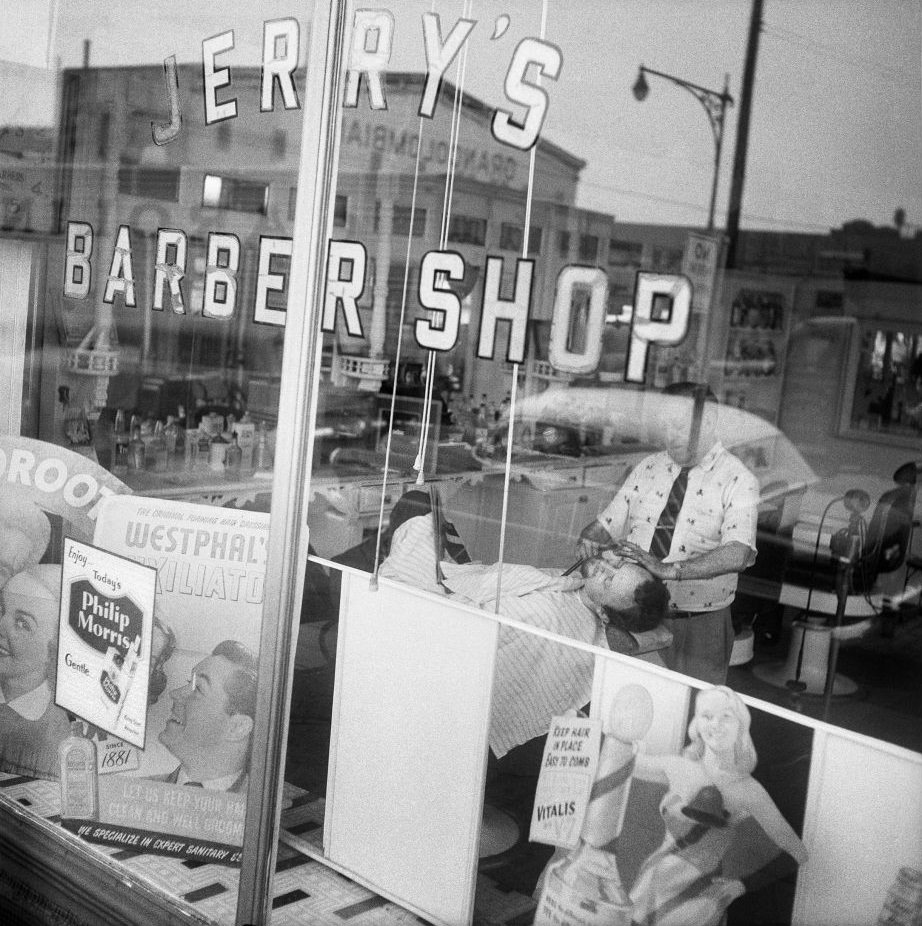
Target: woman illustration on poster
(31, 725)
(710, 793)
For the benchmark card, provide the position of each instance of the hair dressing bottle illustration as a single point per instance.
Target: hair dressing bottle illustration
(79, 796)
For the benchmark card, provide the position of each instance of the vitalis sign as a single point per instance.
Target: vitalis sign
(661, 308)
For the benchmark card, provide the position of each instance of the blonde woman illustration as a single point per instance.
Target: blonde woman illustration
(711, 792)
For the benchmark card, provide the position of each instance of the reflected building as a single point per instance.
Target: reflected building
(403, 191)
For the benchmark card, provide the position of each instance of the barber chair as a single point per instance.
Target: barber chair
(835, 595)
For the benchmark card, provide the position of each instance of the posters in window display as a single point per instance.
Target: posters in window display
(188, 797)
(196, 575)
(694, 833)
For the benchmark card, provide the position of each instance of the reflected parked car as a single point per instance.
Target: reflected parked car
(602, 421)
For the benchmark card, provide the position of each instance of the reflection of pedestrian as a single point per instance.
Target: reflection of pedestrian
(688, 516)
(31, 724)
(211, 726)
(711, 792)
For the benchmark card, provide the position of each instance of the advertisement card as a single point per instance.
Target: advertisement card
(568, 767)
(106, 623)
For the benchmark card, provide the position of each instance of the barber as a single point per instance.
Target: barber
(687, 515)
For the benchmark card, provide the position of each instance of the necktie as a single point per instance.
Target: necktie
(662, 536)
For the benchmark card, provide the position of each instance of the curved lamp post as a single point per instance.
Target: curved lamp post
(715, 105)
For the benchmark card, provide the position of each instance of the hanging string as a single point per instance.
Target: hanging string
(403, 310)
(447, 197)
(513, 392)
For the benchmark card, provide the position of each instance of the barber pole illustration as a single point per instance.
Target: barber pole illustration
(584, 888)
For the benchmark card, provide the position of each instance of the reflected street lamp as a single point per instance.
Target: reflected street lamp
(715, 105)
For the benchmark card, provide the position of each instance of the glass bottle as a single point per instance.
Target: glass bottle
(171, 436)
(245, 429)
(233, 459)
(217, 453)
(203, 446)
(482, 426)
(120, 439)
(137, 452)
(147, 431)
(263, 458)
(470, 414)
(157, 450)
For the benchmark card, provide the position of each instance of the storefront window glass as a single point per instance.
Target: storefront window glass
(614, 388)
(148, 162)
(887, 395)
(588, 252)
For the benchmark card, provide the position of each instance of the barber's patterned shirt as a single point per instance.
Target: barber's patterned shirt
(721, 505)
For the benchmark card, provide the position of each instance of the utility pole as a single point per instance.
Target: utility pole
(735, 205)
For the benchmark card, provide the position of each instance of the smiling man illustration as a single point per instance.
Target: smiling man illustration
(211, 724)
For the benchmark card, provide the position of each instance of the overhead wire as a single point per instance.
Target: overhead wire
(447, 199)
(890, 72)
(513, 392)
(396, 365)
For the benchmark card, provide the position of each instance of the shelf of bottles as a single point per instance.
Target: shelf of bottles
(137, 449)
(481, 424)
(756, 343)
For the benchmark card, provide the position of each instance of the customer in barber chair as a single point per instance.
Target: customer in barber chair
(612, 603)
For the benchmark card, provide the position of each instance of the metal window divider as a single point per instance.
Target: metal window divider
(288, 538)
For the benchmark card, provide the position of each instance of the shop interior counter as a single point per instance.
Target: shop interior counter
(205, 487)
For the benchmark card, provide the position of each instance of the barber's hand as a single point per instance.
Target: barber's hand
(586, 548)
(649, 562)
(592, 540)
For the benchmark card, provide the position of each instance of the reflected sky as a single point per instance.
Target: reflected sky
(836, 120)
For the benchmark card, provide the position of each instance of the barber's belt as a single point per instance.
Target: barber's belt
(685, 615)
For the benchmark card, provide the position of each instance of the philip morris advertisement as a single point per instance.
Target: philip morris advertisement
(46, 493)
(187, 797)
(107, 613)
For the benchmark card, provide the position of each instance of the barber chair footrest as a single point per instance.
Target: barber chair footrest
(807, 662)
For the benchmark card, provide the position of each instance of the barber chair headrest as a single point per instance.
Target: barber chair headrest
(907, 474)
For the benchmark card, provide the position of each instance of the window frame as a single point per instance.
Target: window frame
(846, 425)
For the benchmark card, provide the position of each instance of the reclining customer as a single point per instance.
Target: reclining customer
(614, 604)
